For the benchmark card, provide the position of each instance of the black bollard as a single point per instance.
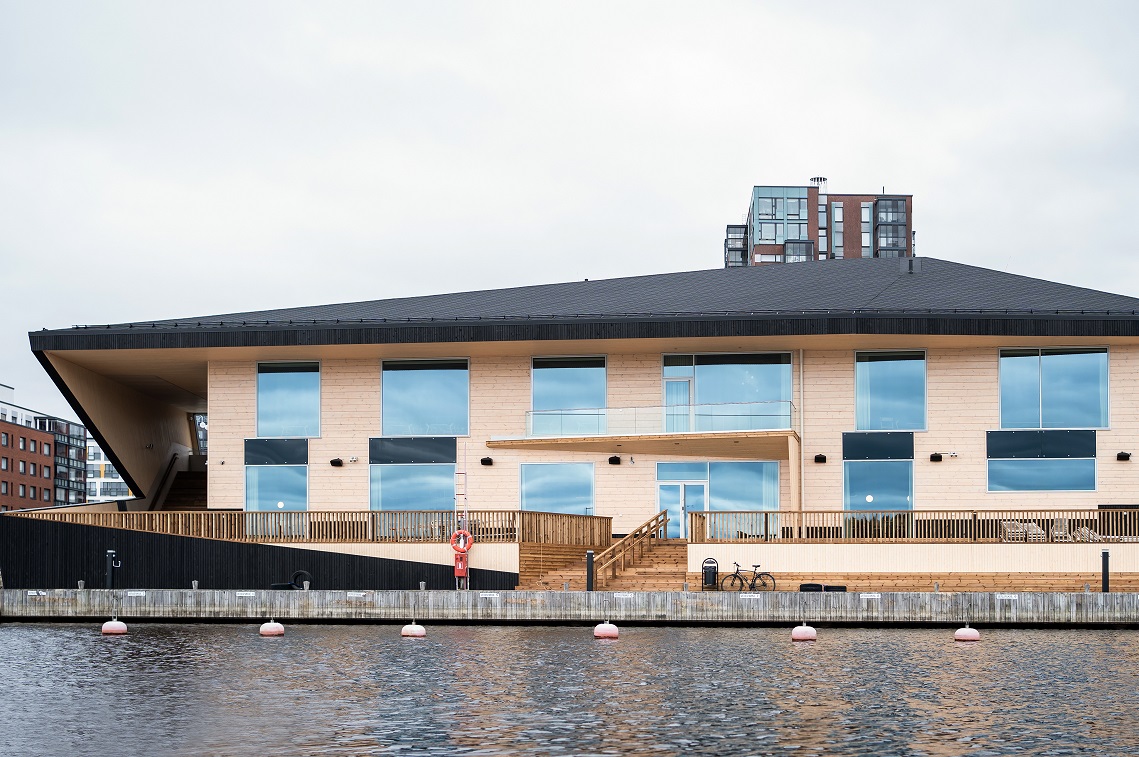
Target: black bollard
(110, 568)
(1105, 570)
(589, 570)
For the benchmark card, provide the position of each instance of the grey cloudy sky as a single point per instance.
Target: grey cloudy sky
(162, 160)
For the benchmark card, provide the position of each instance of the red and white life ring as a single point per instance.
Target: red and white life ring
(467, 543)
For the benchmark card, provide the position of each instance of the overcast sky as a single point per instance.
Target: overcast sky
(170, 159)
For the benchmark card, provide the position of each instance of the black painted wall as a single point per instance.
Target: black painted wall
(40, 554)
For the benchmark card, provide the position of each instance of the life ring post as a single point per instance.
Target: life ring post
(462, 541)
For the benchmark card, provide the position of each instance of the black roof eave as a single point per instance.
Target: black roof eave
(141, 336)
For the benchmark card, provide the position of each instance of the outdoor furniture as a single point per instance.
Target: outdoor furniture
(1012, 530)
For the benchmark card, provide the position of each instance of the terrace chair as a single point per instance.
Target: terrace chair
(1033, 532)
(1085, 534)
(1060, 530)
(1012, 530)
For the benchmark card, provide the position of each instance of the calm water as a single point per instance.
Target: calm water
(345, 690)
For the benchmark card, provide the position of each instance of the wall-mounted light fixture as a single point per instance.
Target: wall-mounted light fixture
(820, 458)
(353, 459)
(487, 461)
(935, 457)
(1123, 456)
(336, 462)
(615, 460)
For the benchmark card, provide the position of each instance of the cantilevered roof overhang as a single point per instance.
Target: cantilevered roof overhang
(847, 304)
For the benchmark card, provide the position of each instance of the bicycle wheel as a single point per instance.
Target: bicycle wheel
(764, 582)
(732, 583)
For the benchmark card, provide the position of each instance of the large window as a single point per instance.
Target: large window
(889, 391)
(273, 488)
(727, 392)
(288, 399)
(1054, 388)
(878, 484)
(558, 488)
(1041, 460)
(413, 487)
(276, 474)
(425, 397)
(568, 396)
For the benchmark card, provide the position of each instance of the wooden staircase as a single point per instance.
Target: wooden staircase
(642, 561)
(187, 493)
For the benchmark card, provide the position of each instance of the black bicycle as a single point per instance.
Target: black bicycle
(738, 581)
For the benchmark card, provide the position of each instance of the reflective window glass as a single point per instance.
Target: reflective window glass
(889, 391)
(682, 471)
(568, 396)
(288, 399)
(1035, 475)
(743, 486)
(558, 488)
(425, 398)
(413, 487)
(1054, 388)
(734, 392)
(878, 484)
(272, 488)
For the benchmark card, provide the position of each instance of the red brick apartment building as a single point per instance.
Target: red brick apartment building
(788, 224)
(27, 466)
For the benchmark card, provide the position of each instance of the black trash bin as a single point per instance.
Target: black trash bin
(711, 572)
(810, 587)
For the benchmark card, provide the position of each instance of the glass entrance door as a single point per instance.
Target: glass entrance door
(681, 499)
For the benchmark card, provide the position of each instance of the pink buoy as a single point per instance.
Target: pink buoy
(114, 627)
(803, 633)
(605, 630)
(966, 634)
(272, 628)
(413, 631)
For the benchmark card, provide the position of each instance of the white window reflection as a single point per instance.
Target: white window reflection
(1038, 475)
(276, 488)
(413, 487)
(889, 391)
(727, 392)
(568, 396)
(425, 398)
(558, 488)
(1054, 388)
(878, 484)
(288, 399)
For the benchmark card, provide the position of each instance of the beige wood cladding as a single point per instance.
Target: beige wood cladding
(962, 404)
(502, 557)
(916, 558)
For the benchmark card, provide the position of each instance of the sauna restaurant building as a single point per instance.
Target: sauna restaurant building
(838, 386)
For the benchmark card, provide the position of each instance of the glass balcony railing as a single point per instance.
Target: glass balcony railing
(776, 415)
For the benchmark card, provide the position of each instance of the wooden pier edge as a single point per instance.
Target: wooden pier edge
(557, 607)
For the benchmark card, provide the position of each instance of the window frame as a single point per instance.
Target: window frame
(467, 360)
(925, 386)
(692, 379)
(257, 399)
(592, 484)
(1040, 393)
(604, 407)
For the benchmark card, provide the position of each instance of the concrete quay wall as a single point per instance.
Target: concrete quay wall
(543, 607)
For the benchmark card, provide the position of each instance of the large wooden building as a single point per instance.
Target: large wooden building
(830, 418)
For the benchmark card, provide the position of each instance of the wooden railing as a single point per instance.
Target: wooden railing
(910, 526)
(622, 554)
(355, 526)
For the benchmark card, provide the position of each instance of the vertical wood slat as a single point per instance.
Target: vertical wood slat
(355, 526)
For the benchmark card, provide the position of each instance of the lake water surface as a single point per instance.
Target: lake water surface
(490, 690)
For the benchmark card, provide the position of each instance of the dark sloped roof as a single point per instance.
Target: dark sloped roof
(859, 289)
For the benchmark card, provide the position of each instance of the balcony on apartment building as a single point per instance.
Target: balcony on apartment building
(733, 429)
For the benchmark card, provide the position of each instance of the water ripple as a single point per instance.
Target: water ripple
(467, 690)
